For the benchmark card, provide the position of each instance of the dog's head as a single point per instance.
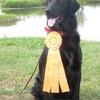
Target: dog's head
(57, 12)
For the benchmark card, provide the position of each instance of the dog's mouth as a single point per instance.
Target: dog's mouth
(52, 21)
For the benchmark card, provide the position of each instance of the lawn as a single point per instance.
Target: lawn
(22, 3)
(19, 56)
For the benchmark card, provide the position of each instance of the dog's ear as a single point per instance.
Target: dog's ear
(74, 6)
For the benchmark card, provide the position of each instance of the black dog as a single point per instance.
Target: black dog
(61, 17)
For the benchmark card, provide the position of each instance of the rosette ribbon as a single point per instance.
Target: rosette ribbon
(54, 78)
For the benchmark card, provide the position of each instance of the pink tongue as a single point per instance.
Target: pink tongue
(51, 22)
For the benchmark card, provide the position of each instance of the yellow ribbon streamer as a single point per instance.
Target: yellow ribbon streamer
(54, 73)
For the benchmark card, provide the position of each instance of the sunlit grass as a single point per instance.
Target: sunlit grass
(8, 18)
(22, 3)
(19, 56)
(90, 88)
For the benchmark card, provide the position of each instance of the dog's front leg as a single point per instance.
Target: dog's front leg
(37, 88)
(75, 84)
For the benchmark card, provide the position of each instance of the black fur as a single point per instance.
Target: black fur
(70, 50)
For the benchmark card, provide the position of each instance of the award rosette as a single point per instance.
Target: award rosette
(53, 40)
(54, 76)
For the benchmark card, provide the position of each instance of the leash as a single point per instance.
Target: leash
(30, 78)
(47, 29)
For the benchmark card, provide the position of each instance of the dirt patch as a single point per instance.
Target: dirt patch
(3, 97)
(17, 97)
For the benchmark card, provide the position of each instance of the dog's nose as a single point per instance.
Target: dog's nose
(48, 11)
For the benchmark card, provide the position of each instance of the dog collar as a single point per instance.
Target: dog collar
(48, 30)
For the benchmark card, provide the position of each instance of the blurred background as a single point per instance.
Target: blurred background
(20, 18)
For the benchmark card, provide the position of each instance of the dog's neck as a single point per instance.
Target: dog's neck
(48, 30)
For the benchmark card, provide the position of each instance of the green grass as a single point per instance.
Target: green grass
(12, 16)
(22, 3)
(8, 18)
(33, 3)
(25, 12)
(19, 56)
(90, 86)
(89, 1)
